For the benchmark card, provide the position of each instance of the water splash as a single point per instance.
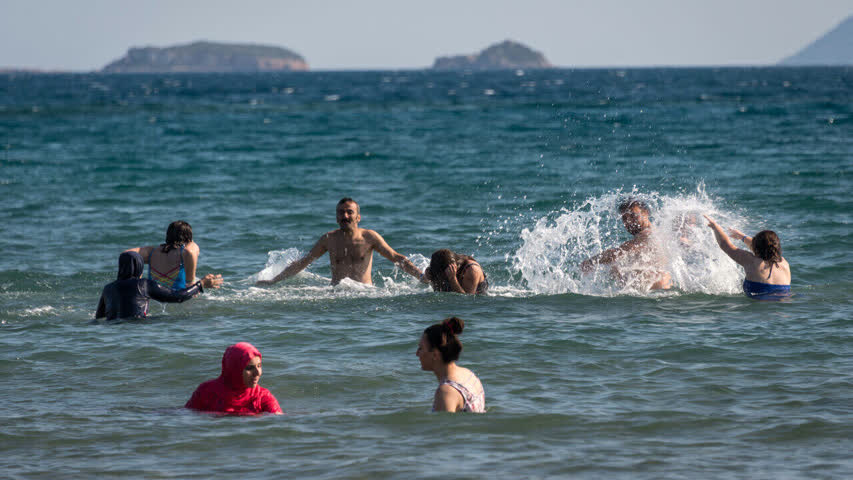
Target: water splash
(549, 258)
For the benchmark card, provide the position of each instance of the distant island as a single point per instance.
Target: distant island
(833, 48)
(207, 57)
(504, 55)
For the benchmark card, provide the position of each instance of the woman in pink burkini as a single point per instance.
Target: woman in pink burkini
(236, 390)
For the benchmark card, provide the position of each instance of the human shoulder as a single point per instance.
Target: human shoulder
(192, 247)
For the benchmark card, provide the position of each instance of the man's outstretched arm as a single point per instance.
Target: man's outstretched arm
(297, 266)
(386, 251)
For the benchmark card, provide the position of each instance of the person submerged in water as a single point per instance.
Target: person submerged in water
(236, 391)
(350, 250)
(640, 260)
(768, 275)
(128, 296)
(173, 263)
(459, 390)
(453, 272)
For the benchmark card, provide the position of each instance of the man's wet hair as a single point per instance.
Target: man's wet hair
(630, 203)
(350, 200)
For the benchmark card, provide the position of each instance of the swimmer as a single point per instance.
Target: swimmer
(763, 281)
(459, 390)
(236, 391)
(128, 296)
(173, 263)
(350, 250)
(642, 255)
(454, 272)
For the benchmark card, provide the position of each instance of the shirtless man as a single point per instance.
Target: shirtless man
(350, 250)
(641, 255)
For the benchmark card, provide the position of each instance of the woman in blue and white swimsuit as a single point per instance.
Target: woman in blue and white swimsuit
(459, 390)
(768, 275)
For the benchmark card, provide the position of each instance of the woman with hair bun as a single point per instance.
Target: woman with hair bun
(768, 275)
(459, 390)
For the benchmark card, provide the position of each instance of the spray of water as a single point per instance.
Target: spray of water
(552, 251)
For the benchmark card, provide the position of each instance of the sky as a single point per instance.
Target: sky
(85, 35)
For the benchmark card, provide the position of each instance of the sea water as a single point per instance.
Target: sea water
(585, 377)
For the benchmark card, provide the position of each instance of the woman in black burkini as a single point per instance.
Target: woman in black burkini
(128, 296)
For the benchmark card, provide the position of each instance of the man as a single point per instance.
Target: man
(641, 258)
(350, 250)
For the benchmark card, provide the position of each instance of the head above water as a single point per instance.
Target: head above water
(443, 337)
(439, 262)
(130, 265)
(235, 361)
(635, 215)
(766, 246)
(348, 213)
(179, 233)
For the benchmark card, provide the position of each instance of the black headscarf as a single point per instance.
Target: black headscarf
(130, 265)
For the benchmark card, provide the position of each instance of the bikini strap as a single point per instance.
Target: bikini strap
(182, 256)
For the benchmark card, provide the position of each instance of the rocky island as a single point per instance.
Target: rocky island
(833, 48)
(207, 57)
(504, 55)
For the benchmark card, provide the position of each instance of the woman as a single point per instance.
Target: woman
(768, 275)
(236, 390)
(453, 272)
(128, 296)
(459, 390)
(173, 263)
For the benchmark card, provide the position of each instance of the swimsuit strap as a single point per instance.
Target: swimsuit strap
(468, 264)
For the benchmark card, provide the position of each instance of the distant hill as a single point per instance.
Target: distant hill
(504, 55)
(207, 57)
(834, 48)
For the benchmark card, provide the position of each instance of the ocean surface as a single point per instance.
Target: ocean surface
(585, 377)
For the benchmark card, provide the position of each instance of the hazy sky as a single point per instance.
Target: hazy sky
(376, 34)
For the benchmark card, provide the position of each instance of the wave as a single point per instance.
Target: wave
(552, 250)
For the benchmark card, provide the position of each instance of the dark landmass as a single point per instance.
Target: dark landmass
(833, 48)
(31, 71)
(505, 55)
(207, 57)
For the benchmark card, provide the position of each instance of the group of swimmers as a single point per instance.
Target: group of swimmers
(171, 278)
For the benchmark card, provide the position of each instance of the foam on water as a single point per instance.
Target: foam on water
(552, 250)
(307, 285)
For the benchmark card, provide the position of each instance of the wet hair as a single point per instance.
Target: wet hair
(439, 262)
(767, 247)
(349, 200)
(443, 336)
(179, 233)
(630, 203)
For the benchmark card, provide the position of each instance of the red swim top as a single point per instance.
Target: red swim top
(228, 394)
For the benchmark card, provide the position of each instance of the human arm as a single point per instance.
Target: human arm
(144, 252)
(378, 243)
(102, 308)
(471, 278)
(297, 266)
(447, 399)
(190, 258)
(735, 233)
(608, 256)
(269, 404)
(163, 294)
(742, 257)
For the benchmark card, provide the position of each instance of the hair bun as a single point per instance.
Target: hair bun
(454, 324)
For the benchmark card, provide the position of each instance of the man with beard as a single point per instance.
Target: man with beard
(350, 250)
(639, 262)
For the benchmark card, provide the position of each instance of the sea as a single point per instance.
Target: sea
(586, 376)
